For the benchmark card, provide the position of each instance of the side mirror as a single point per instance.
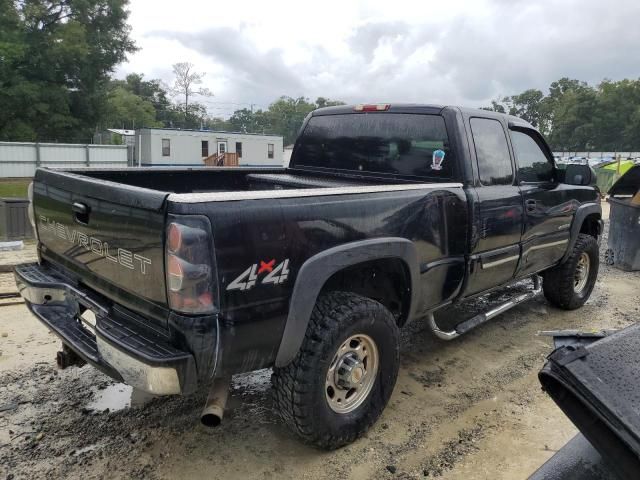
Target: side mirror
(579, 175)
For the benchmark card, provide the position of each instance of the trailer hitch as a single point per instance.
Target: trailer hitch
(67, 358)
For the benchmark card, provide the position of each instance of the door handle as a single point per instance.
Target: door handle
(80, 208)
(81, 212)
(531, 205)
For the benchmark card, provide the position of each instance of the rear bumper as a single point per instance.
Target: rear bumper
(141, 358)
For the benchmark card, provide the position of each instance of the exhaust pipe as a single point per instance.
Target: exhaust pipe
(216, 401)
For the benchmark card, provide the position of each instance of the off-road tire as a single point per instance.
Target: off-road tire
(299, 388)
(558, 282)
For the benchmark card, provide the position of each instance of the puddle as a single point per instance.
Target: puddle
(249, 390)
(252, 382)
(115, 397)
(118, 397)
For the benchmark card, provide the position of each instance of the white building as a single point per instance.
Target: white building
(169, 147)
(115, 136)
(288, 150)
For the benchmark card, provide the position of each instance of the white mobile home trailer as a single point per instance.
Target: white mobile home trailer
(168, 147)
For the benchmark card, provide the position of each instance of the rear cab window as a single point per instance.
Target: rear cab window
(397, 144)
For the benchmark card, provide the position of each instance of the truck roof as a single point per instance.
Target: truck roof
(428, 108)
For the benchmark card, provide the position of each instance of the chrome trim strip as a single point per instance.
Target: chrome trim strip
(306, 192)
(547, 245)
(502, 261)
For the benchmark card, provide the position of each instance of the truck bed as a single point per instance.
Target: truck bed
(225, 179)
(107, 227)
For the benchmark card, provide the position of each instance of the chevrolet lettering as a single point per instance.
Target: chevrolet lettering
(99, 247)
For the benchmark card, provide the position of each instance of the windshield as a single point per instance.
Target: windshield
(391, 143)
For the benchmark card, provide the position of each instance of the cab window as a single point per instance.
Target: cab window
(533, 164)
(492, 152)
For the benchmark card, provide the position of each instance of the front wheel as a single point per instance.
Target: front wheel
(341, 379)
(569, 285)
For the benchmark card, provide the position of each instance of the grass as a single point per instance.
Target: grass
(14, 187)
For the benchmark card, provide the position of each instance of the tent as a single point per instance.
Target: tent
(607, 174)
(625, 165)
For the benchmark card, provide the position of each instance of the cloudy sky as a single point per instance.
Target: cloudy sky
(446, 51)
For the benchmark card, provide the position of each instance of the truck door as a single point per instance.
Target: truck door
(495, 248)
(548, 205)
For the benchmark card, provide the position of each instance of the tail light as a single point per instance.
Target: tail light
(190, 268)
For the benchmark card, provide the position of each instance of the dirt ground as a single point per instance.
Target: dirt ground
(467, 409)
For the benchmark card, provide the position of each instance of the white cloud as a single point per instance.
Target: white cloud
(375, 50)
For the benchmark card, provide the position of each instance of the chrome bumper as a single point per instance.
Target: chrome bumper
(142, 359)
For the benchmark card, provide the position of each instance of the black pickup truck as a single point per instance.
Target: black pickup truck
(385, 214)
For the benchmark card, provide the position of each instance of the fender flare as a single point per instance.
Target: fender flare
(581, 213)
(319, 268)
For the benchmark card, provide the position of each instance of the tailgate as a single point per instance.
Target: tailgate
(109, 235)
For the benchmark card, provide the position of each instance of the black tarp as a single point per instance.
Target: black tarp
(598, 388)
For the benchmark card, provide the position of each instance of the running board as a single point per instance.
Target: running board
(473, 322)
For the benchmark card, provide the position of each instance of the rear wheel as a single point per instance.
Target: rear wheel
(341, 379)
(570, 284)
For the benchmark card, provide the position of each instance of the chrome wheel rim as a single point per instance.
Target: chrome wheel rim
(582, 273)
(352, 373)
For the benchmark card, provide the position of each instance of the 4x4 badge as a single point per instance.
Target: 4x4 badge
(274, 274)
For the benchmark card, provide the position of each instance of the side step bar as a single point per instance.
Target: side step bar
(473, 322)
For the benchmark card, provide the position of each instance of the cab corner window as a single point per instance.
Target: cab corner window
(492, 152)
(533, 164)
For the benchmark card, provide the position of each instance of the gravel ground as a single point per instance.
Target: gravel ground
(467, 409)
(9, 258)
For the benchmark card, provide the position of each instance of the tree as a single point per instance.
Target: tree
(184, 85)
(153, 91)
(127, 110)
(616, 112)
(56, 60)
(530, 106)
(496, 106)
(247, 121)
(322, 102)
(286, 114)
(283, 117)
(218, 124)
(576, 116)
(136, 102)
(572, 108)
